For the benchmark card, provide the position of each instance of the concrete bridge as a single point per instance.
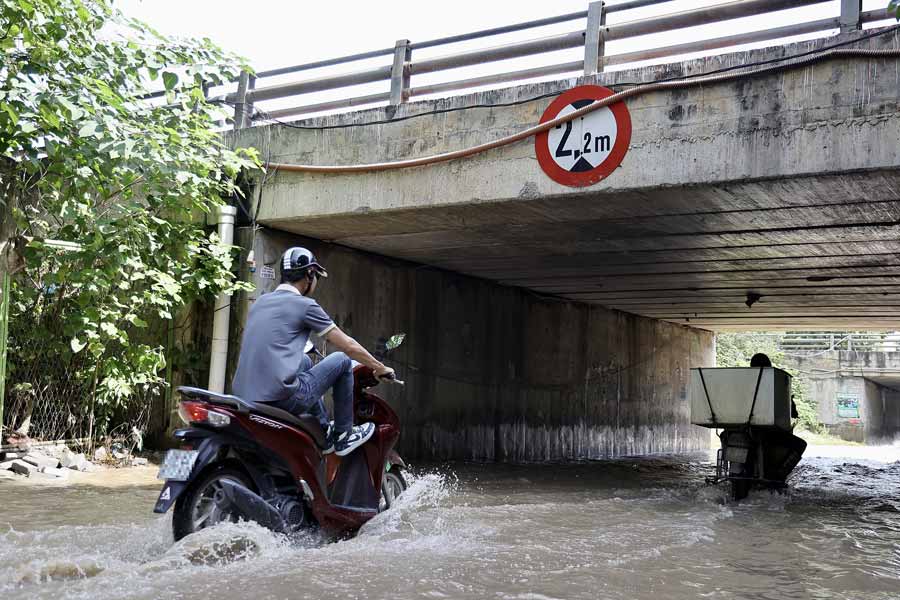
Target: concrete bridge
(857, 392)
(550, 322)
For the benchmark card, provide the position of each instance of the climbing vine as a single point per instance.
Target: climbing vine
(87, 158)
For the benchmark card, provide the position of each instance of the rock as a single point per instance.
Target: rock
(41, 460)
(66, 458)
(89, 467)
(119, 455)
(58, 473)
(10, 455)
(22, 468)
(100, 454)
(139, 462)
(54, 450)
(70, 460)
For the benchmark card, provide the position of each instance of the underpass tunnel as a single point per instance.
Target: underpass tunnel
(499, 373)
(550, 322)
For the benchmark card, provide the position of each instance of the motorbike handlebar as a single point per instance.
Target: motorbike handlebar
(392, 378)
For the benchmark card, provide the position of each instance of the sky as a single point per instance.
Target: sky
(278, 33)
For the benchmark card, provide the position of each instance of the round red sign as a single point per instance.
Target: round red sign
(583, 151)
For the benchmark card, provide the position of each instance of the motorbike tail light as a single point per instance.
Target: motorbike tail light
(196, 412)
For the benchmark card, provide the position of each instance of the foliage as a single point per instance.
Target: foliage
(894, 8)
(736, 349)
(84, 159)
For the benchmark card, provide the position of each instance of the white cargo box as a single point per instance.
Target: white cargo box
(730, 392)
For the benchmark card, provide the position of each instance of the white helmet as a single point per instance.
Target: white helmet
(297, 262)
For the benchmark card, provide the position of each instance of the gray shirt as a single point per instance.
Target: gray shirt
(277, 328)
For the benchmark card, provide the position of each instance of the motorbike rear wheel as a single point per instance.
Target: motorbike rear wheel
(197, 508)
(392, 485)
(740, 488)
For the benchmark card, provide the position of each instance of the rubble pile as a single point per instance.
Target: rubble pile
(22, 457)
(49, 462)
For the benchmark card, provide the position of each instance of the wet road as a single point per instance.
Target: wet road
(627, 529)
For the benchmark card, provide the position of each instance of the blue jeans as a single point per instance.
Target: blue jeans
(334, 370)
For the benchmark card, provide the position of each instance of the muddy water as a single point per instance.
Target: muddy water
(630, 529)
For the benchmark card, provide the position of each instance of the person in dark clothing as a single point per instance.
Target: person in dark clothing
(760, 360)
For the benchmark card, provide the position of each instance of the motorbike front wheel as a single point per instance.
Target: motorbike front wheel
(199, 506)
(392, 485)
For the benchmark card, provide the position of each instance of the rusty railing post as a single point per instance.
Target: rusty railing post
(850, 15)
(400, 75)
(240, 104)
(593, 38)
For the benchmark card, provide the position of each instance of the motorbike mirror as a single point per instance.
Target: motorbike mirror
(394, 341)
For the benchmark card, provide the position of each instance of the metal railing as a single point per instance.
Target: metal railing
(800, 342)
(592, 37)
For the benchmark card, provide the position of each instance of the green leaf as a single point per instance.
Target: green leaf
(89, 129)
(170, 80)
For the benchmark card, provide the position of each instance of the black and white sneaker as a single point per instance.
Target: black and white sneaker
(329, 439)
(349, 441)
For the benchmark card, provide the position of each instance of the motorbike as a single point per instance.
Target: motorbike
(244, 460)
(756, 457)
(752, 408)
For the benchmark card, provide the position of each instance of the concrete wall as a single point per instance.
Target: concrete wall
(497, 373)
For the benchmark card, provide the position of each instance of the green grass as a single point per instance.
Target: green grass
(823, 439)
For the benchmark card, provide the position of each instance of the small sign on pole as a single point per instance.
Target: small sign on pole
(583, 151)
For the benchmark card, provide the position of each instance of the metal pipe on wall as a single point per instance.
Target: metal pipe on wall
(219, 351)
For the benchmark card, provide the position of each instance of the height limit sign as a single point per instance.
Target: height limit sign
(587, 149)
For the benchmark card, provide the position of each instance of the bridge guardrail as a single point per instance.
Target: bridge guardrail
(827, 341)
(592, 37)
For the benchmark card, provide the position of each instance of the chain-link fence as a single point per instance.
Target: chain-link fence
(50, 391)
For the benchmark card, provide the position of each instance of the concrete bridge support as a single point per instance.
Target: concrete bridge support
(499, 373)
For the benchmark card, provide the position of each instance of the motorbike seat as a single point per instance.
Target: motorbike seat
(305, 422)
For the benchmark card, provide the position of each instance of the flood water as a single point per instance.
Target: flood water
(635, 529)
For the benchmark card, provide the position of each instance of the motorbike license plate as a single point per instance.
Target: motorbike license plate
(177, 465)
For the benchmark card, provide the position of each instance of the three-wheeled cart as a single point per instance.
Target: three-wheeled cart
(752, 408)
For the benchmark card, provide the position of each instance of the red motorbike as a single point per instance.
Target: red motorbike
(246, 460)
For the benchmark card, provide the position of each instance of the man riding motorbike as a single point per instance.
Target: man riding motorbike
(272, 366)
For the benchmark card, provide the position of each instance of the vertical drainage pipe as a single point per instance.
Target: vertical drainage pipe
(219, 352)
(5, 289)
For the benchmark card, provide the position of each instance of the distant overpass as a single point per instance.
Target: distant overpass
(857, 391)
